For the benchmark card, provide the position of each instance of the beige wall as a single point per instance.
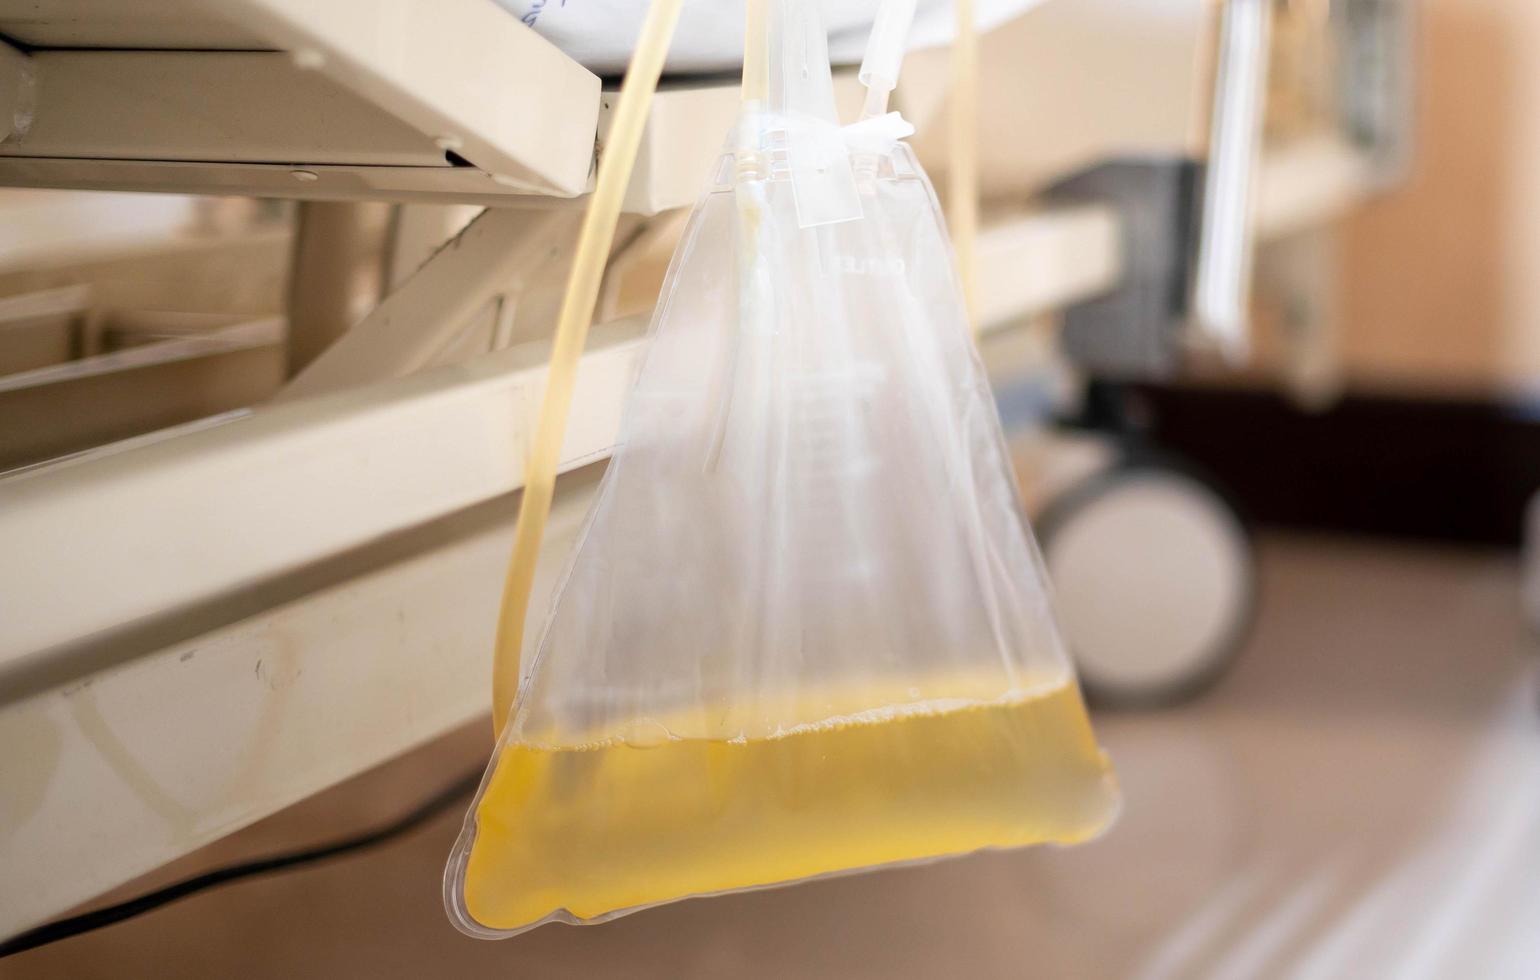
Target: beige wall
(1442, 278)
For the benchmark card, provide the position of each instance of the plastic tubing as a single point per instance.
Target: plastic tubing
(577, 310)
(885, 54)
(963, 175)
(754, 101)
(756, 51)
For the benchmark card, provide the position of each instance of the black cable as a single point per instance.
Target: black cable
(98, 918)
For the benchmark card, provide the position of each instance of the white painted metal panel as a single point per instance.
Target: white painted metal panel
(1032, 262)
(72, 406)
(466, 73)
(497, 253)
(687, 128)
(148, 24)
(42, 328)
(1309, 182)
(322, 182)
(105, 542)
(197, 105)
(18, 91)
(372, 157)
(112, 775)
(391, 83)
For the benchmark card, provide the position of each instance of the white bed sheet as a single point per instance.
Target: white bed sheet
(599, 33)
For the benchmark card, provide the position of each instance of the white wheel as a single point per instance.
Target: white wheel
(1153, 579)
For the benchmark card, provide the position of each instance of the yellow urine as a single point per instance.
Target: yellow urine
(609, 827)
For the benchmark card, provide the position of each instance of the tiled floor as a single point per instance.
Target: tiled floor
(1359, 798)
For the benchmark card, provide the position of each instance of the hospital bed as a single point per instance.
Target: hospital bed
(206, 623)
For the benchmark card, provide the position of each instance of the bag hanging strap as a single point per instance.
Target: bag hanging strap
(963, 173)
(879, 73)
(577, 311)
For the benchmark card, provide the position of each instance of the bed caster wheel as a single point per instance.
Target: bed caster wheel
(1154, 581)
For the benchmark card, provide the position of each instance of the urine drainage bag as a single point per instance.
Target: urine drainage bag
(805, 630)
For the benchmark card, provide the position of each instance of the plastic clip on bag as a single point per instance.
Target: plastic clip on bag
(805, 631)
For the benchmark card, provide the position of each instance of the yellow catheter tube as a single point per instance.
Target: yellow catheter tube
(577, 310)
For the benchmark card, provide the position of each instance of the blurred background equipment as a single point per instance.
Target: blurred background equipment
(1282, 155)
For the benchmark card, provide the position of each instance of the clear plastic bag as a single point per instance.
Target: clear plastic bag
(805, 630)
